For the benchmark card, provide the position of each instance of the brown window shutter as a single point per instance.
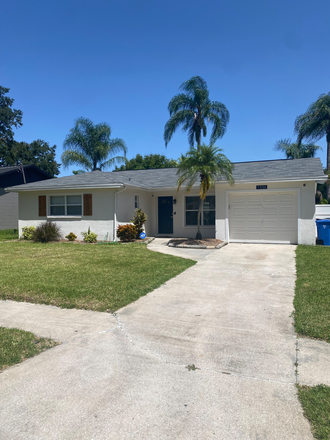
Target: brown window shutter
(88, 210)
(42, 206)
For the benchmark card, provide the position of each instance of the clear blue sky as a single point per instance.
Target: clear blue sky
(122, 61)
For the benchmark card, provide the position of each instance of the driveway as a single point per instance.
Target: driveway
(208, 355)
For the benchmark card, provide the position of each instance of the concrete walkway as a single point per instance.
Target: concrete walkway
(210, 354)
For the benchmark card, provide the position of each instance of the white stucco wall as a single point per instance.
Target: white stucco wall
(101, 222)
(306, 206)
(179, 227)
(149, 204)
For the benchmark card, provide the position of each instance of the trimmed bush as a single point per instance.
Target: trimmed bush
(71, 236)
(27, 232)
(126, 232)
(89, 237)
(46, 232)
(138, 221)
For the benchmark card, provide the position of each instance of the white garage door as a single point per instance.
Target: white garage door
(263, 217)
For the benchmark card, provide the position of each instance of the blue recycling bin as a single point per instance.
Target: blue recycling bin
(323, 232)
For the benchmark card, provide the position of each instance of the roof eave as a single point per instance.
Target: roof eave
(318, 179)
(22, 188)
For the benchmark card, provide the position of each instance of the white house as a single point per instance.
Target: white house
(270, 202)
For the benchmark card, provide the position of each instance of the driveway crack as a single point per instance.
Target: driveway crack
(176, 364)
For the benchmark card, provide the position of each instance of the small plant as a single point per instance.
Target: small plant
(46, 232)
(89, 237)
(71, 236)
(139, 220)
(27, 232)
(126, 232)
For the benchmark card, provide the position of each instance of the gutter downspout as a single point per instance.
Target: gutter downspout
(115, 214)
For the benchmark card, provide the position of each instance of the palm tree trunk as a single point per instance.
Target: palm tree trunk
(328, 161)
(199, 138)
(199, 234)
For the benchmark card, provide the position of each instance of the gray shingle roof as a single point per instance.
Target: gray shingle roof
(261, 171)
(4, 170)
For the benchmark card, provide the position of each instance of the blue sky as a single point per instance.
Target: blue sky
(122, 61)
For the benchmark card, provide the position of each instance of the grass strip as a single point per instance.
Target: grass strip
(316, 405)
(102, 278)
(17, 345)
(8, 234)
(312, 293)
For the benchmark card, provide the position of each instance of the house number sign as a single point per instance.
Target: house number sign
(261, 187)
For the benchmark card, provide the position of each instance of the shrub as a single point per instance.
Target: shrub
(126, 232)
(139, 220)
(71, 236)
(27, 232)
(89, 237)
(46, 232)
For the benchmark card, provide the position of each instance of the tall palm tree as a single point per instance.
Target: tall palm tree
(315, 123)
(204, 164)
(293, 150)
(192, 110)
(89, 146)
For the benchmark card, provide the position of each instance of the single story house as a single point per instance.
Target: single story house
(270, 202)
(11, 176)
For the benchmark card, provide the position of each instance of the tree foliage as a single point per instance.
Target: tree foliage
(204, 164)
(294, 150)
(9, 118)
(37, 153)
(89, 146)
(194, 110)
(150, 161)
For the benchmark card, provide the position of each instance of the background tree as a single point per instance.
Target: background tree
(150, 161)
(89, 145)
(193, 109)
(9, 118)
(37, 153)
(293, 150)
(204, 164)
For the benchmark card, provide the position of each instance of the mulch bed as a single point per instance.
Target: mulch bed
(194, 242)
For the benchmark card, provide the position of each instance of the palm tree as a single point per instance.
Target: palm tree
(315, 123)
(204, 163)
(192, 109)
(293, 150)
(89, 145)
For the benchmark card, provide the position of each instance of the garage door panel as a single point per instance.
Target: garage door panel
(270, 210)
(271, 197)
(270, 224)
(253, 198)
(257, 223)
(287, 224)
(254, 211)
(287, 210)
(266, 216)
(287, 197)
(238, 198)
(239, 212)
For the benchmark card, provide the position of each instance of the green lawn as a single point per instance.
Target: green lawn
(312, 312)
(312, 295)
(17, 345)
(8, 234)
(103, 278)
(316, 404)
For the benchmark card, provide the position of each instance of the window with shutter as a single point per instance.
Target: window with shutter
(88, 210)
(42, 206)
